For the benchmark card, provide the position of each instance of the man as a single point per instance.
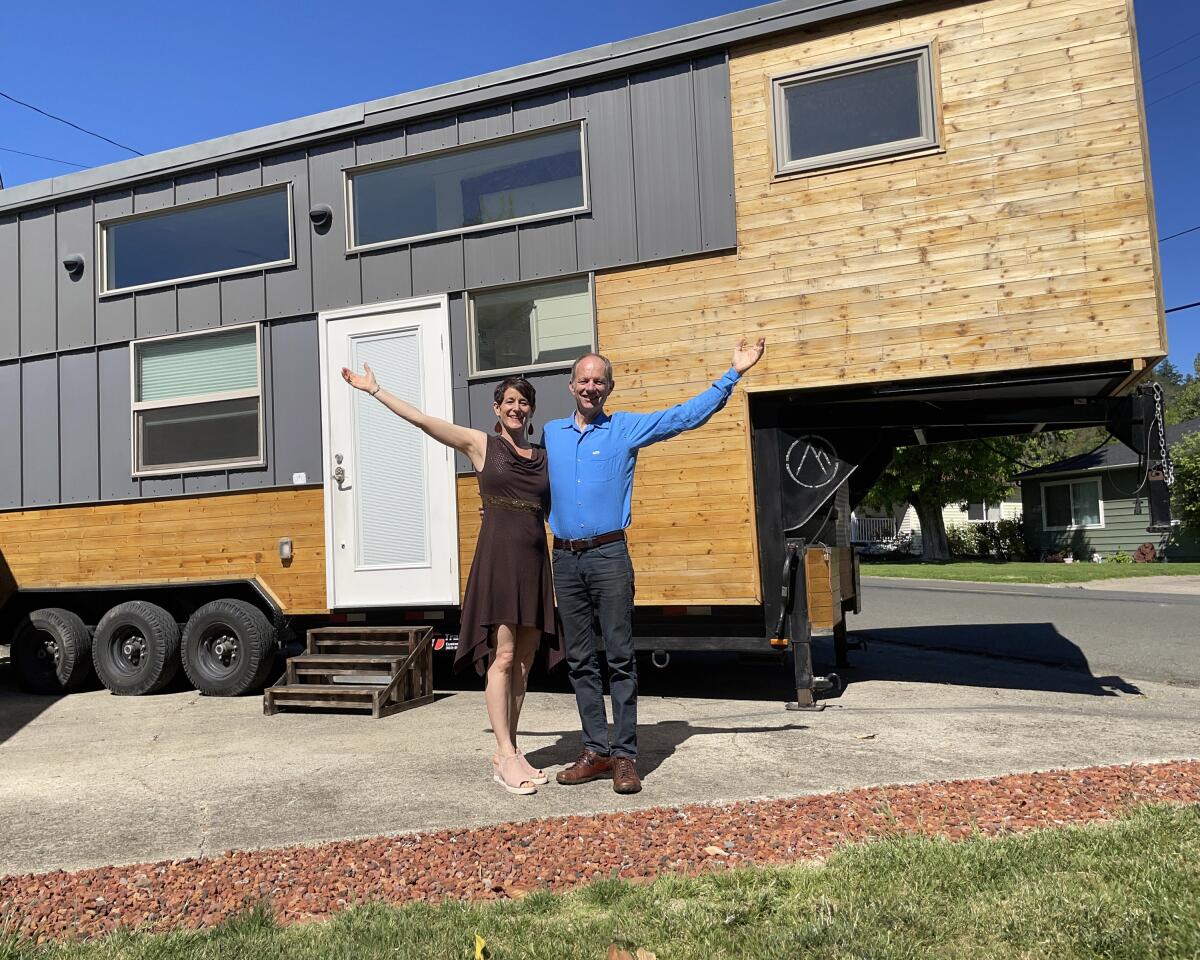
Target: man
(592, 455)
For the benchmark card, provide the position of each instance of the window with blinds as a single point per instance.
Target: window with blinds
(197, 402)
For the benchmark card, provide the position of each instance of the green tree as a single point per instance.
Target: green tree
(1185, 491)
(931, 477)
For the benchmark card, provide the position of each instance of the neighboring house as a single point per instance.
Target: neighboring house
(1096, 503)
(874, 526)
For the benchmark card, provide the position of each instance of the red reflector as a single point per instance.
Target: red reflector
(414, 615)
(439, 643)
(337, 618)
(674, 611)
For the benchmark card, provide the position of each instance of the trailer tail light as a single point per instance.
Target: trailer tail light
(779, 643)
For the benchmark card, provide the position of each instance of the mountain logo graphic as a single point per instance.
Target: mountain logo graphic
(812, 462)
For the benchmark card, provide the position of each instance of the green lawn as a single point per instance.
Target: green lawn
(1125, 890)
(1025, 572)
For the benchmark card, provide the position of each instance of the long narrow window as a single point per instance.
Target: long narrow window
(197, 402)
(532, 325)
(1072, 504)
(246, 231)
(469, 188)
(857, 111)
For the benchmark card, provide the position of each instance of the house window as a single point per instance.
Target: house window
(531, 326)
(197, 402)
(210, 238)
(983, 512)
(469, 188)
(1072, 504)
(856, 111)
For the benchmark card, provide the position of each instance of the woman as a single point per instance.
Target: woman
(508, 612)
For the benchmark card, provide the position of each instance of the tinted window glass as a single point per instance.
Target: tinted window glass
(194, 241)
(854, 110)
(1086, 497)
(1058, 506)
(224, 431)
(516, 178)
(533, 324)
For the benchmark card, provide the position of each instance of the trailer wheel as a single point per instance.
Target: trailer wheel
(228, 648)
(136, 648)
(52, 652)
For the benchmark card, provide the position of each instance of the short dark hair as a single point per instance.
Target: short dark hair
(608, 373)
(520, 384)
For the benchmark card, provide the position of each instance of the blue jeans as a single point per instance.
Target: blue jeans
(599, 582)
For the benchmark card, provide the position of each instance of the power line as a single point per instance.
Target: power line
(1163, 73)
(1169, 95)
(69, 163)
(90, 133)
(1179, 234)
(1182, 306)
(1177, 43)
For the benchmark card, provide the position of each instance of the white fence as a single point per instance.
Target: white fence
(872, 529)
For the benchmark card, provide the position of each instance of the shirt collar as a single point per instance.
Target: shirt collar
(600, 421)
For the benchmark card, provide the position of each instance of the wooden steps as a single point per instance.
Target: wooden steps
(375, 670)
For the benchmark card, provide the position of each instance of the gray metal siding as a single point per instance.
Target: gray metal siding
(39, 430)
(491, 258)
(79, 419)
(608, 235)
(10, 435)
(296, 396)
(243, 297)
(289, 289)
(38, 294)
(114, 315)
(10, 288)
(76, 293)
(114, 398)
(335, 278)
(714, 151)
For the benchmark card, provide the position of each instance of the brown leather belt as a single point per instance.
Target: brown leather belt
(511, 503)
(577, 546)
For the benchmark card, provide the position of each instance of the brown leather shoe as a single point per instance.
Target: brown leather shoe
(625, 776)
(587, 767)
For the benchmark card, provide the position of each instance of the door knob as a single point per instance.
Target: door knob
(339, 474)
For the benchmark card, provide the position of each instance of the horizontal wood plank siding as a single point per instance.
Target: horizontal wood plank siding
(185, 540)
(1026, 241)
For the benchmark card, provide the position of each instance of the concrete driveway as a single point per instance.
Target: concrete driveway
(93, 779)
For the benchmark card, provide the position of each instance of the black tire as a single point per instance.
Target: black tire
(228, 648)
(52, 652)
(136, 648)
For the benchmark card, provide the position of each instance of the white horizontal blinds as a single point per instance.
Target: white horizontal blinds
(216, 363)
(389, 472)
(562, 320)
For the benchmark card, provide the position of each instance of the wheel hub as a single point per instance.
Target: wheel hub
(223, 649)
(133, 649)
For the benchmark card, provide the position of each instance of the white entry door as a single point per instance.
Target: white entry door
(390, 506)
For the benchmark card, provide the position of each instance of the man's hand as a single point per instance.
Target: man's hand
(745, 357)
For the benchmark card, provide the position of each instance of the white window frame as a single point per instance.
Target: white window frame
(927, 104)
(199, 466)
(472, 331)
(999, 511)
(1075, 526)
(102, 289)
(348, 188)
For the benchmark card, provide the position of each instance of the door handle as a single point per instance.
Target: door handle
(339, 474)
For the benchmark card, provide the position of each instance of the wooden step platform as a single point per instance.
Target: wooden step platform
(375, 670)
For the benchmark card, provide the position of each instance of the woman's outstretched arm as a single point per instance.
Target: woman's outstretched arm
(467, 441)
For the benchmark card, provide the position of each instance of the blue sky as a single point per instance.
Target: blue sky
(154, 75)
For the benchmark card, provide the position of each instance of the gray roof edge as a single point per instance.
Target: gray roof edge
(714, 32)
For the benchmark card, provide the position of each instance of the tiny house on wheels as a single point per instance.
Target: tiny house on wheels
(937, 212)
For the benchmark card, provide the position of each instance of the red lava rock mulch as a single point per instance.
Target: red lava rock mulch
(511, 859)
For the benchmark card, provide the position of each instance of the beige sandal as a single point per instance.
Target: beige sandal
(540, 777)
(513, 780)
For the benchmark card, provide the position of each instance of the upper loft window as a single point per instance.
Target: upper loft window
(197, 402)
(530, 326)
(468, 188)
(209, 238)
(872, 108)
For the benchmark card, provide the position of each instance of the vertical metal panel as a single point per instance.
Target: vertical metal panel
(714, 151)
(10, 434)
(547, 249)
(114, 315)
(156, 487)
(336, 280)
(462, 415)
(79, 427)
(296, 389)
(10, 288)
(261, 476)
(116, 468)
(607, 236)
(460, 361)
(205, 482)
(198, 304)
(39, 326)
(666, 182)
(431, 134)
(437, 266)
(289, 289)
(243, 297)
(76, 293)
(154, 311)
(195, 186)
(492, 121)
(39, 431)
(386, 274)
(491, 258)
(541, 111)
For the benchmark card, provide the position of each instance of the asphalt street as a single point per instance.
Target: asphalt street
(1125, 634)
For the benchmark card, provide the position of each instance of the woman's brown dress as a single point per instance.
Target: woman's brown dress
(510, 580)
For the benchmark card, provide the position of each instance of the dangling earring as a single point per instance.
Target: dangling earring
(497, 428)
(531, 429)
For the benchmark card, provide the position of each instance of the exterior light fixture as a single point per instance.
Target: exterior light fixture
(285, 549)
(73, 262)
(321, 215)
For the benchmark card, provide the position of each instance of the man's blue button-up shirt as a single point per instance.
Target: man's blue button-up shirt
(591, 470)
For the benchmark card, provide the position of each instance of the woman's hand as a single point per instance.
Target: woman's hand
(361, 381)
